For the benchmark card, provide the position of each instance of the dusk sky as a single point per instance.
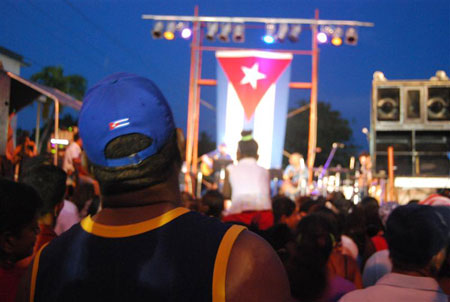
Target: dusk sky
(93, 38)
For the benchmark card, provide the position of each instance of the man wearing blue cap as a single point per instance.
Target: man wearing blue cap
(142, 246)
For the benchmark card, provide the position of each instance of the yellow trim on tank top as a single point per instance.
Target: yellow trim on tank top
(119, 231)
(221, 262)
(34, 272)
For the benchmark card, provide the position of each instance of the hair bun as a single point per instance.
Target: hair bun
(246, 132)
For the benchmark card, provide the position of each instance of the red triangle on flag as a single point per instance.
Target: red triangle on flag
(251, 77)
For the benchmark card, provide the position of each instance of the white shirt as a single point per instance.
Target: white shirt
(67, 217)
(72, 152)
(376, 267)
(250, 187)
(395, 287)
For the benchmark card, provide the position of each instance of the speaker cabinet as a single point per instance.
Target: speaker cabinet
(414, 118)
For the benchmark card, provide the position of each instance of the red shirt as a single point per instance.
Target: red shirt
(9, 281)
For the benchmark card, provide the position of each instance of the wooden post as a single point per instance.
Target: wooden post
(190, 129)
(312, 139)
(5, 86)
(391, 194)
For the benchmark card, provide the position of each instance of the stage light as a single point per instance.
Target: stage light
(322, 37)
(186, 33)
(225, 32)
(351, 36)
(337, 37)
(238, 33)
(269, 36)
(211, 31)
(282, 32)
(295, 32)
(184, 30)
(157, 30)
(169, 34)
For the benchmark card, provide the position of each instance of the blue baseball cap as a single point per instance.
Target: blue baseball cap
(123, 104)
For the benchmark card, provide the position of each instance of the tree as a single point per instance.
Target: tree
(331, 127)
(53, 76)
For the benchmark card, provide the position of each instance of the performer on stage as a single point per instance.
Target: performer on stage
(248, 185)
(365, 173)
(207, 165)
(295, 176)
(212, 163)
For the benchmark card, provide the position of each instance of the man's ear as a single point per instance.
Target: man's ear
(438, 260)
(181, 143)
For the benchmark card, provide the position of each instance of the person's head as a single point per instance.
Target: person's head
(19, 205)
(295, 159)
(417, 236)
(247, 146)
(308, 269)
(370, 209)
(77, 139)
(24, 138)
(50, 183)
(129, 134)
(222, 148)
(363, 157)
(284, 211)
(213, 201)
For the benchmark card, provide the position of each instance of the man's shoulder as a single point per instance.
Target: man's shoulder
(255, 272)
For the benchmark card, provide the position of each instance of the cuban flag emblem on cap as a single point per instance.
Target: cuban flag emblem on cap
(119, 123)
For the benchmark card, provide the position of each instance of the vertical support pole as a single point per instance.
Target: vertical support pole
(190, 129)
(38, 124)
(197, 108)
(312, 139)
(391, 173)
(55, 157)
(5, 86)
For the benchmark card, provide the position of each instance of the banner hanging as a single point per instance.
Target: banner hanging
(252, 94)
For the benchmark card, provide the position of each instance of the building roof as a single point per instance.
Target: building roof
(13, 55)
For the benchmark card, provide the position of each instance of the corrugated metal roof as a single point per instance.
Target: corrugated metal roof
(24, 99)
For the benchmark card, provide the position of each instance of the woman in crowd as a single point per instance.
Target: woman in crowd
(19, 204)
(307, 270)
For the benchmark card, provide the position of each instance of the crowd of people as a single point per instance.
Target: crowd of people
(148, 241)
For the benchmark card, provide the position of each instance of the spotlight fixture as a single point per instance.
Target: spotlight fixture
(295, 32)
(157, 30)
(184, 30)
(336, 40)
(225, 32)
(282, 32)
(211, 31)
(322, 37)
(351, 36)
(169, 34)
(186, 33)
(269, 36)
(238, 33)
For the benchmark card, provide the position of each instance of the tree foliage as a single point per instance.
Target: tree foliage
(331, 127)
(53, 76)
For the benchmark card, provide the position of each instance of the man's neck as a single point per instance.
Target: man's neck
(137, 206)
(424, 272)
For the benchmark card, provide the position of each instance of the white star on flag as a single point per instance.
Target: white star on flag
(252, 75)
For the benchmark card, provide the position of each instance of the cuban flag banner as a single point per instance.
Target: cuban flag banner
(253, 94)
